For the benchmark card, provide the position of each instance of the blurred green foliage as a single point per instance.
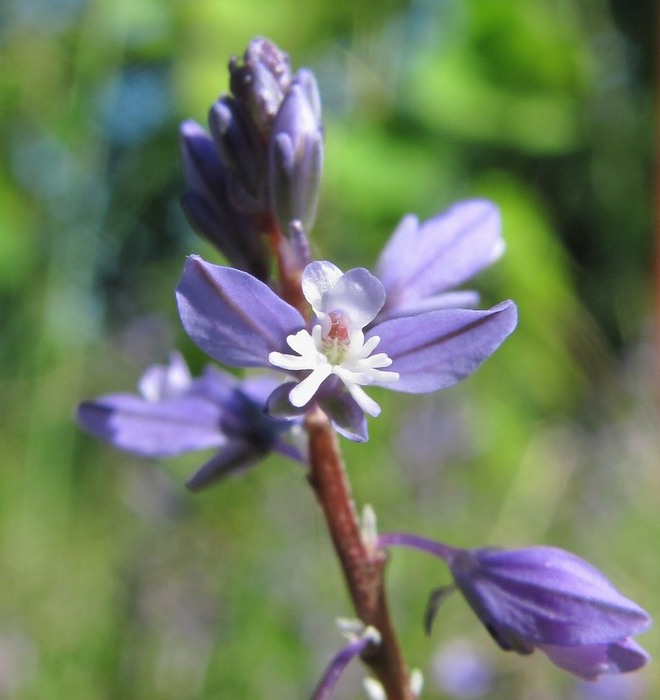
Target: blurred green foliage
(119, 584)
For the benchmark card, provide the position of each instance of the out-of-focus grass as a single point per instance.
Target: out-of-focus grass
(116, 581)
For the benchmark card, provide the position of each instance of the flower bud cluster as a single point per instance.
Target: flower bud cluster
(259, 167)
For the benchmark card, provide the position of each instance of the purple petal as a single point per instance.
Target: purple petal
(465, 299)
(436, 350)
(442, 253)
(591, 661)
(318, 280)
(153, 429)
(232, 316)
(358, 294)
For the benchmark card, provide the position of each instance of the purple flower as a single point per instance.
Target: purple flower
(548, 599)
(344, 304)
(175, 413)
(241, 322)
(421, 262)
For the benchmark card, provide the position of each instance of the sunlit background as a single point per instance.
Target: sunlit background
(115, 582)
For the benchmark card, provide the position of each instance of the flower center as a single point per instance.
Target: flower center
(336, 342)
(344, 305)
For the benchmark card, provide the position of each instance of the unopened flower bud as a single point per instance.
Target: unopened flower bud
(295, 160)
(543, 598)
(305, 78)
(208, 209)
(242, 152)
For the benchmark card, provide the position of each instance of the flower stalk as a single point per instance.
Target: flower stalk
(289, 268)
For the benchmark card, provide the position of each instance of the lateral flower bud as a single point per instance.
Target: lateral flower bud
(208, 209)
(544, 598)
(296, 156)
(242, 151)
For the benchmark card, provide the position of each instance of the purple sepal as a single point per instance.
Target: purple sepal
(467, 299)
(440, 348)
(153, 429)
(233, 317)
(421, 261)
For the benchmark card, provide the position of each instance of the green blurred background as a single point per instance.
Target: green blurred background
(116, 582)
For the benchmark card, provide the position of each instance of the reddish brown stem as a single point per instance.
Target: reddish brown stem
(363, 570)
(290, 276)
